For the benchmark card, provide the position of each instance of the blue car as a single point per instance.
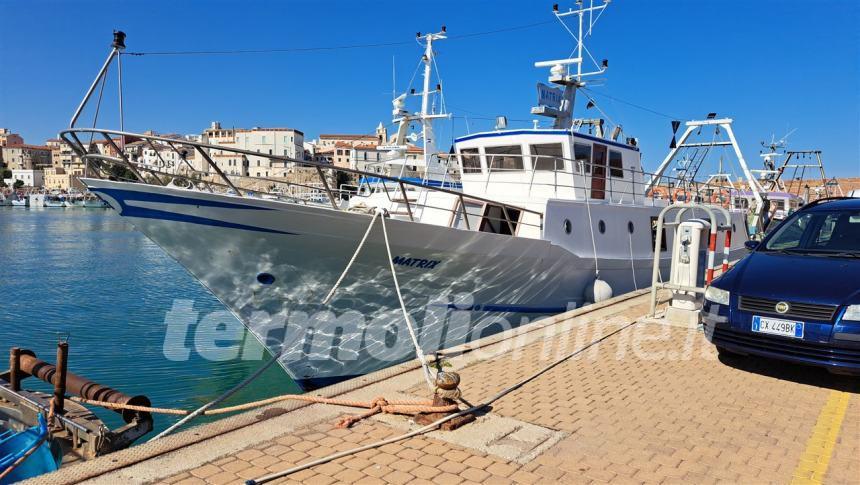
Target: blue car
(796, 296)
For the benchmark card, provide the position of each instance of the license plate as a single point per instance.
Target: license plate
(776, 326)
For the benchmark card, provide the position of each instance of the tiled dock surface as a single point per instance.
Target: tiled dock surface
(649, 404)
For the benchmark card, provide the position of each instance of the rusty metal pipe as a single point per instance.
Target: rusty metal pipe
(83, 387)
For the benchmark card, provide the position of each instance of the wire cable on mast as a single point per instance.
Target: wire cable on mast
(325, 48)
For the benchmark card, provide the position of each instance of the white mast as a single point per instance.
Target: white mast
(426, 116)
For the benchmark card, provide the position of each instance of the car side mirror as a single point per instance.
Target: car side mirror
(751, 245)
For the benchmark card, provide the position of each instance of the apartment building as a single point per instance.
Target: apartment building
(338, 147)
(26, 157)
(9, 138)
(285, 142)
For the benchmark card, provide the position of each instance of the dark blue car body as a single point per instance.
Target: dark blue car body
(816, 288)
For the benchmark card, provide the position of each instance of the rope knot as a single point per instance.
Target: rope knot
(378, 402)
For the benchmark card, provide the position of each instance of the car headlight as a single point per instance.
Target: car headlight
(717, 295)
(852, 313)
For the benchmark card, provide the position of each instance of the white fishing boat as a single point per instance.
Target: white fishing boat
(91, 201)
(73, 199)
(36, 200)
(547, 219)
(16, 198)
(54, 201)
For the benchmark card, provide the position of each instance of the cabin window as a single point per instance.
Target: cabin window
(470, 160)
(547, 156)
(616, 168)
(494, 220)
(582, 154)
(506, 158)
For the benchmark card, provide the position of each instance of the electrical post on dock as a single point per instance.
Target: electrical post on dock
(693, 262)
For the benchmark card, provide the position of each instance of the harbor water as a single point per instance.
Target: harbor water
(87, 275)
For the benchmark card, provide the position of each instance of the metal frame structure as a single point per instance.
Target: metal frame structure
(724, 124)
(656, 284)
(777, 182)
(398, 195)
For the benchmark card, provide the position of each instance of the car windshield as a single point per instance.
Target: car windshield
(821, 232)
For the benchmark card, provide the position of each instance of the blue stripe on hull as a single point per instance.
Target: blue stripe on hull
(505, 308)
(123, 196)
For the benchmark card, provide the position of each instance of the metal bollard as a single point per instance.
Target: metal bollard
(447, 392)
(60, 377)
(15, 368)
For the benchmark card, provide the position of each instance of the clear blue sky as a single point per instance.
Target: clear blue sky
(772, 65)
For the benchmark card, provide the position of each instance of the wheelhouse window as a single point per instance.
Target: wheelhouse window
(616, 166)
(547, 156)
(470, 160)
(582, 155)
(504, 158)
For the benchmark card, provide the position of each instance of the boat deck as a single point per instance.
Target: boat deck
(651, 403)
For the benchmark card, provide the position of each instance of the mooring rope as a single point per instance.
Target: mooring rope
(381, 214)
(632, 264)
(377, 405)
(202, 409)
(424, 366)
(352, 260)
(591, 230)
(436, 424)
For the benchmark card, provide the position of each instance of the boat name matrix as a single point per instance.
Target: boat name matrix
(416, 262)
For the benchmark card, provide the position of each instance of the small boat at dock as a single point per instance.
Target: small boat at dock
(31, 444)
(55, 201)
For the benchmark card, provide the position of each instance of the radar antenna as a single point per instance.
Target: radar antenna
(552, 101)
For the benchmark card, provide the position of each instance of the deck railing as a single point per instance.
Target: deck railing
(322, 187)
(589, 180)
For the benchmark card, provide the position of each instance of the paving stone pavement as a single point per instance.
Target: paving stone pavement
(651, 404)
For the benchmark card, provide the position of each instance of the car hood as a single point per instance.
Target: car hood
(814, 279)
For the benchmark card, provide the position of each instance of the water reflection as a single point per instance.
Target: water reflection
(87, 274)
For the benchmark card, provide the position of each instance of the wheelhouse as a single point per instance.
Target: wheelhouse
(531, 166)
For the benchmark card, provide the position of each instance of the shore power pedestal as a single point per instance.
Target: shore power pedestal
(689, 262)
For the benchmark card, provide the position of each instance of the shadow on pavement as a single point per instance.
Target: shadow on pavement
(788, 371)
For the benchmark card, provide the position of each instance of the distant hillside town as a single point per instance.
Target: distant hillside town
(53, 165)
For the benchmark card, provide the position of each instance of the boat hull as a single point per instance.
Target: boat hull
(272, 263)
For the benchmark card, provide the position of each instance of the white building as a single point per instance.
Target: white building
(284, 142)
(31, 178)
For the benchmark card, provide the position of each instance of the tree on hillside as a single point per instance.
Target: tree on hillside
(18, 184)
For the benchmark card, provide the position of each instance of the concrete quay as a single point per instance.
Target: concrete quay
(649, 403)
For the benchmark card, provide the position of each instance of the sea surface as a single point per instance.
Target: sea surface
(85, 275)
